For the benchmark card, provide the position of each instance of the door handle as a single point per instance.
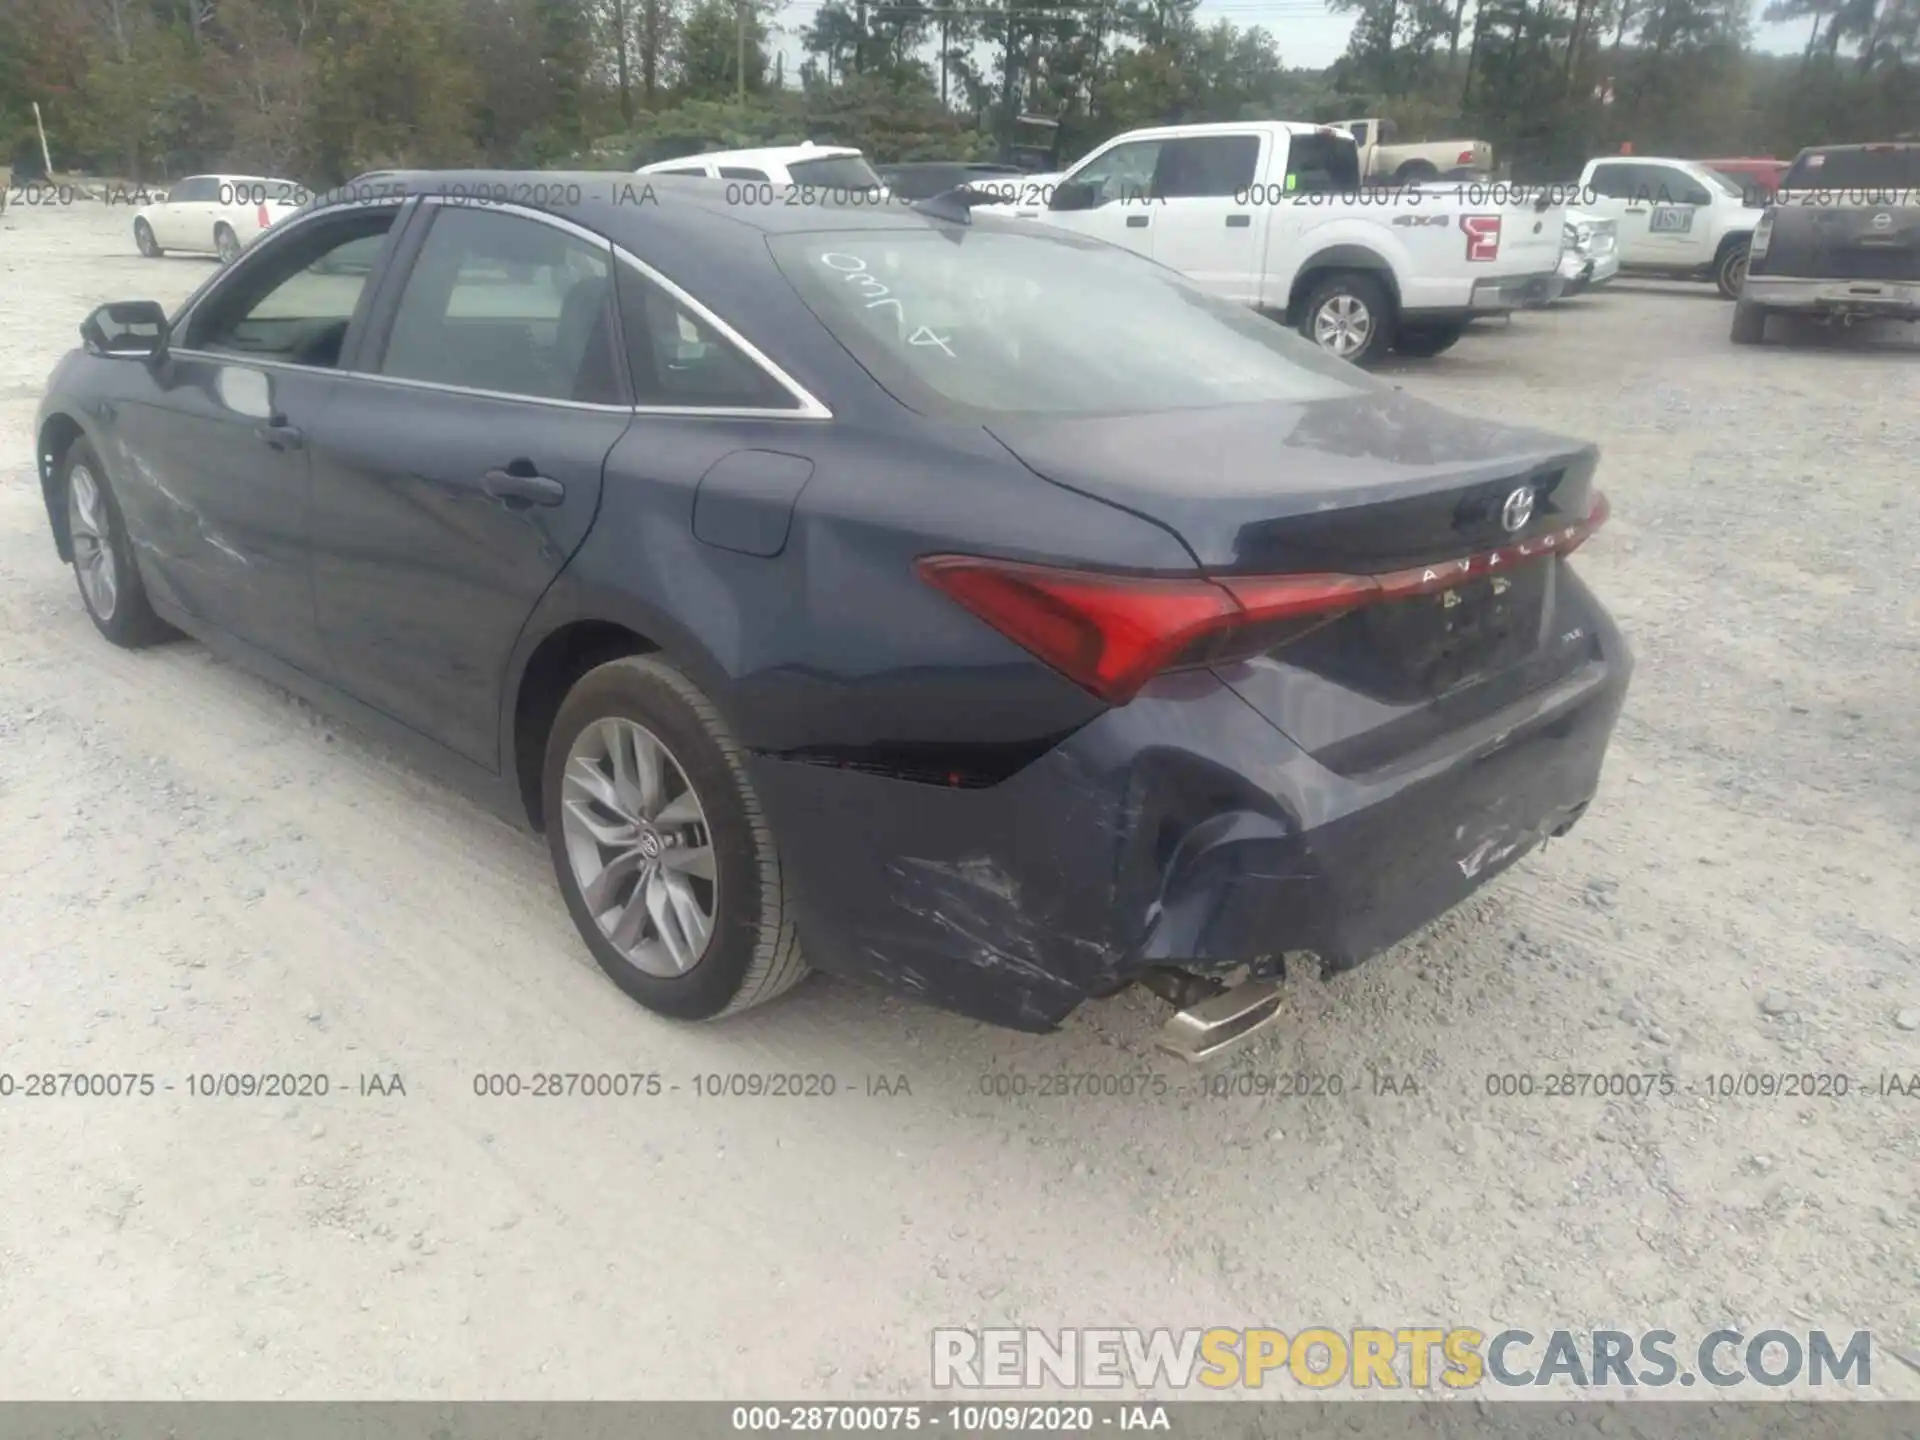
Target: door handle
(528, 486)
(1636, 210)
(280, 435)
(1239, 222)
(1136, 222)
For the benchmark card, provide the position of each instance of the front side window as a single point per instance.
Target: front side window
(1005, 319)
(1663, 185)
(293, 300)
(677, 359)
(503, 303)
(741, 172)
(194, 190)
(1321, 164)
(1124, 173)
(1616, 182)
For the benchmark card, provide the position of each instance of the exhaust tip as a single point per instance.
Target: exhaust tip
(1221, 1023)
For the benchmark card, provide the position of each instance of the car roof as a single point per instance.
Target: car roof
(765, 155)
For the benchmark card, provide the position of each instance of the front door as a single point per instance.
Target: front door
(458, 475)
(221, 436)
(1124, 208)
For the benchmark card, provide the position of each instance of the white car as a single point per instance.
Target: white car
(1590, 252)
(796, 167)
(1272, 214)
(1676, 218)
(214, 214)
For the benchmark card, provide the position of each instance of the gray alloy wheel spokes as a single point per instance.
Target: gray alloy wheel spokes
(640, 846)
(228, 244)
(1343, 325)
(91, 530)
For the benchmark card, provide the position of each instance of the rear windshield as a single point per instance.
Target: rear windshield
(835, 172)
(1875, 167)
(1001, 318)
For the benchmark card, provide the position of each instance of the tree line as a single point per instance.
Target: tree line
(320, 90)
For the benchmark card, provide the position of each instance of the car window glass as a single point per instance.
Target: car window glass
(1123, 173)
(1663, 185)
(498, 302)
(835, 172)
(1616, 182)
(741, 172)
(192, 189)
(684, 170)
(675, 358)
(294, 300)
(1210, 165)
(1319, 164)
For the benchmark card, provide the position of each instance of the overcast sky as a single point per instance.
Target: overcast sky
(1308, 34)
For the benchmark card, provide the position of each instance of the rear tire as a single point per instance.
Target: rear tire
(1749, 322)
(1349, 315)
(1422, 342)
(624, 849)
(1730, 270)
(143, 237)
(1415, 172)
(103, 563)
(226, 244)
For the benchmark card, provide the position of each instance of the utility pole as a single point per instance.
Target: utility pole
(740, 48)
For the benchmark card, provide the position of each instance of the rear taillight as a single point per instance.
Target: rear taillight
(264, 218)
(1465, 157)
(1113, 633)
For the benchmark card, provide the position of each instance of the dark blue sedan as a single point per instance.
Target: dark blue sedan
(973, 608)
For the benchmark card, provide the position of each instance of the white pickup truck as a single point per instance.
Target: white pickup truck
(1273, 214)
(1675, 217)
(1384, 156)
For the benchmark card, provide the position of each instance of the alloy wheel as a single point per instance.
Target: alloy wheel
(228, 245)
(640, 847)
(90, 527)
(1343, 325)
(143, 237)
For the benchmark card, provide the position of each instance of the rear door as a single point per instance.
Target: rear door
(1199, 227)
(186, 220)
(464, 468)
(1123, 210)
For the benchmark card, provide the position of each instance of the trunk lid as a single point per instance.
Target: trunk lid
(1844, 242)
(1375, 484)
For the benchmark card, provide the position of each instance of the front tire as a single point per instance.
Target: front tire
(1730, 271)
(1749, 322)
(664, 858)
(226, 244)
(103, 563)
(1349, 315)
(143, 237)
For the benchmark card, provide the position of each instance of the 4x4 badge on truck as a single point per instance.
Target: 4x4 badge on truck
(1518, 510)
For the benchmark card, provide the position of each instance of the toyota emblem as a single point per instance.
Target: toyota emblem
(1518, 510)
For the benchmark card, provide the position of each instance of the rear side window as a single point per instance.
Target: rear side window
(1322, 164)
(1872, 167)
(835, 172)
(677, 359)
(1210, 165)
(502, 303)
(193, 189)
(741, 172)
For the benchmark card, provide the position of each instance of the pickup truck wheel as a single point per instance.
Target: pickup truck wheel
(1349, 316)
(1415, 172)
(1749, 322)
(1730, 271)
(1420, 342)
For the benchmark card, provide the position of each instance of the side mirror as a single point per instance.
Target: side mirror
(126, 329)
(1073, 195)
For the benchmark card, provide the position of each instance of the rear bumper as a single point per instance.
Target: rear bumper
(1515, 292)
(1892, 298)
(1181, 829)
(1580, 272)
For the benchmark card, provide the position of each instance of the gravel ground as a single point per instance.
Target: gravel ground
(202, 875)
